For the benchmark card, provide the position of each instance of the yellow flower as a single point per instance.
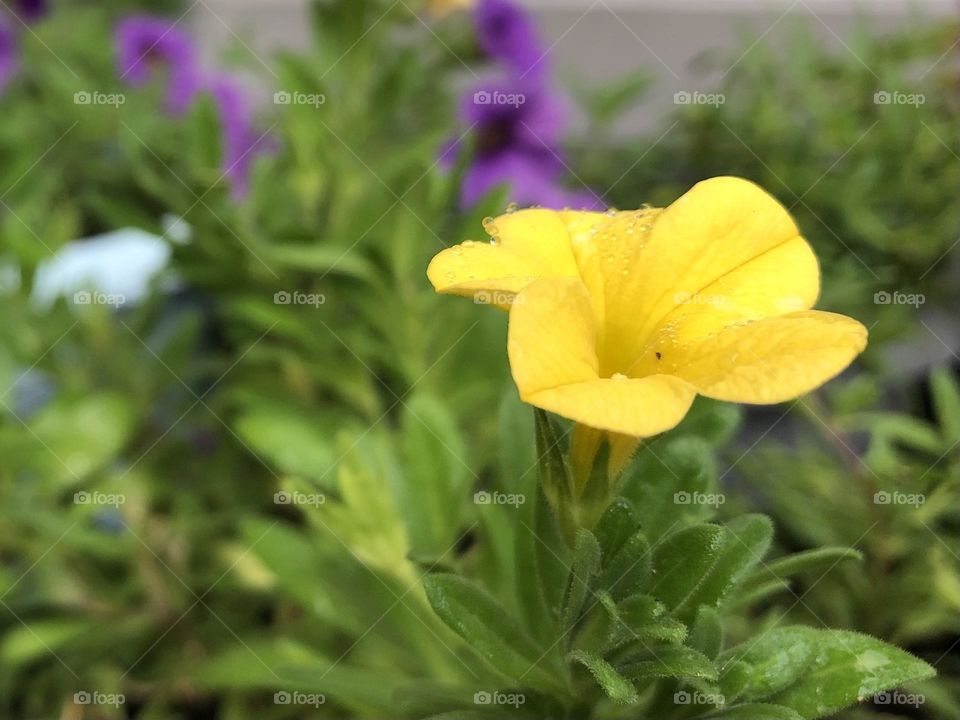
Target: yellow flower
(618, 320)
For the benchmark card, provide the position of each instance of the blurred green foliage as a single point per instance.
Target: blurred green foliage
(216, 495)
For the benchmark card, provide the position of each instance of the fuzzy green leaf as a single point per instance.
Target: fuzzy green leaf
(488, 629)
(672, 662)
(617, 687)
(586, 562)
(846, 667)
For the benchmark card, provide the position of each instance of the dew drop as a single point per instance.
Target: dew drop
(512, 208)
(618, 376)
(487, 221)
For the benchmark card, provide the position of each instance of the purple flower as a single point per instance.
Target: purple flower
(9, 60)
(516, 129)
(31, 9)
(241, 141)
(508, 34)
(145, 43)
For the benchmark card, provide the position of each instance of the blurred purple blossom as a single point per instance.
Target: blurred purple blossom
(516, 122)
(31, 9)
(241, 142)
(508, 35)
(8, 54)
(146, 44)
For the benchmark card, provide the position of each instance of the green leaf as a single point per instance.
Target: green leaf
(617, 687)
(434, 479)
(290, 439)
(586, 562)
(489, 630)
(317, 257)
(755, 711)
(777, 659)
(629, 569)
(24, 644)
(78, 436)
(706, 635)
(846, 668)
(681, 562)
(616, 525)
(821, 559)
(671, 662)
(555, 479)
(656, 482)
(946, 402)
(641, 618)
(542, 566)
(746, 541)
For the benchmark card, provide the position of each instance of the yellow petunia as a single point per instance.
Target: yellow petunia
(618, 320)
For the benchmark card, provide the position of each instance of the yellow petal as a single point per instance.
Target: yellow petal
(768, 360)
(552, 338)
(639, 407)
(780, 281)
(526, 245)
(708, 236)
